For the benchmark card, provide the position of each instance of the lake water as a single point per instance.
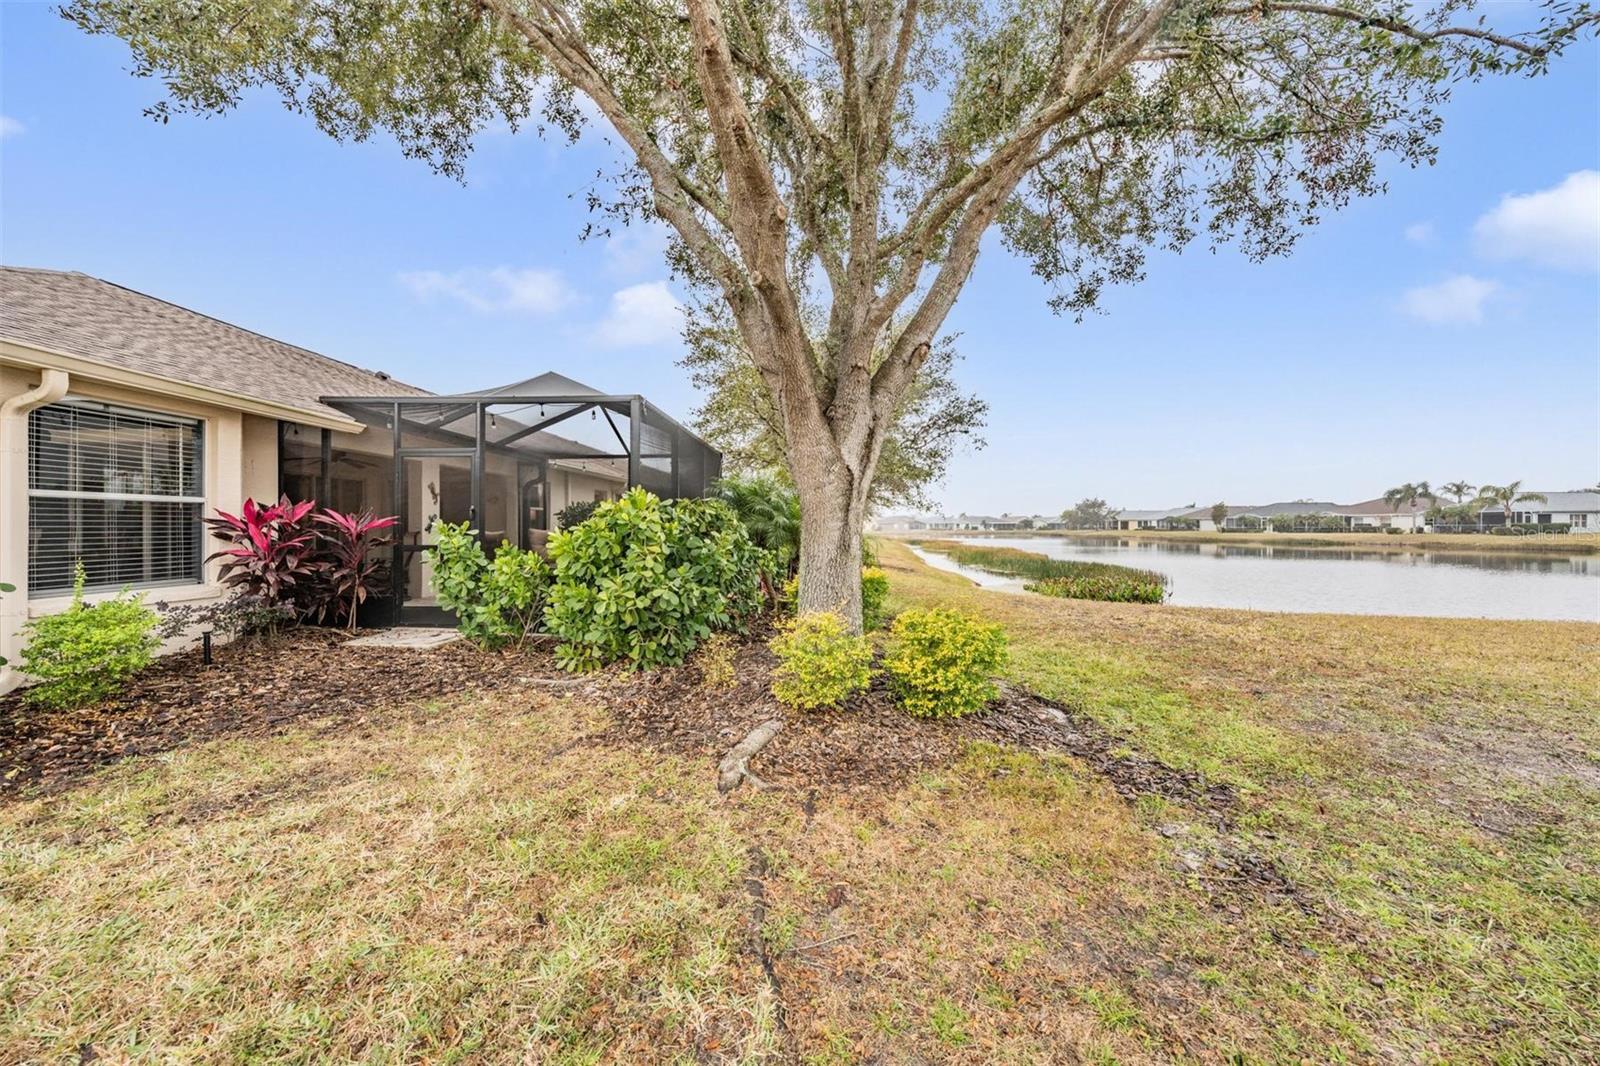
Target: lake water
(1262, 577)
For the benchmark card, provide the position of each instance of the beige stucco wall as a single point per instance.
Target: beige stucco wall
(258, 458)
(241, 458)
(569, 486)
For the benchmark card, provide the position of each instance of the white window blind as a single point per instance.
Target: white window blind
(117, 489)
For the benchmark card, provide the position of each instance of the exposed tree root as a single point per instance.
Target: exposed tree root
(734, 768)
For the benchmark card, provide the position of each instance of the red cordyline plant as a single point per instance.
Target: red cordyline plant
(349, 566)
(272, 550)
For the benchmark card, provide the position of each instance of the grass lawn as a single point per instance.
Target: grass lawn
(496, 877)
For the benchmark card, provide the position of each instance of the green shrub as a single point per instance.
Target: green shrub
(874, 597)
(645, 581)
(496, 602)
(820, 663)
(575, 513)
(941, 663)
(86, 652)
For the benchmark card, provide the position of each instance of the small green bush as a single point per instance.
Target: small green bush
(645, 580)
(941, 663)
(496, 602)
(820, 663)
(86, 652)
(575, 513)
(874, 597)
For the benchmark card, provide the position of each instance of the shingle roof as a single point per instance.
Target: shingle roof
(1380, 506)
(1292, 507)
(105, 323)
(1151, 516)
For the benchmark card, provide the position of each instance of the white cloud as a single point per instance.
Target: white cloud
(1456, 299)
(1420, 232)
(1557, 227)
(10, 127)
(529, 292)
(640, 315)
(637, 248)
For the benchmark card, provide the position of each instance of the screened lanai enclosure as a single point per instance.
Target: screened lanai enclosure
(507, 461)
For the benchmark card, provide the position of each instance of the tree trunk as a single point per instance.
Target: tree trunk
(832, 514)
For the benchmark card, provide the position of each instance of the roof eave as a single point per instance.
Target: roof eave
(35, 356)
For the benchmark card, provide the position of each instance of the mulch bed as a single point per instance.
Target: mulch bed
(871, 742)
(307, 677)
(253, 687)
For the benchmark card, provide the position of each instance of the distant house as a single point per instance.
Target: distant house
(1376, 514)
(1261, 516)
(899, 523)
(1580, 510)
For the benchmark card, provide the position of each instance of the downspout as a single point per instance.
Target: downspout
(13, 505)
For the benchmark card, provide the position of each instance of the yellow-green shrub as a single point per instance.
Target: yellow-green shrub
(820, 662)
(85, 653)
(941, 663)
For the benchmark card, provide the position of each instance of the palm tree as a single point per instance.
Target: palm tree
(770, 511)
(1407, 496)
(1504, 496)
(1459, 489)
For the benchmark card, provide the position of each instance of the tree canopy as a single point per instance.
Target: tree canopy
(934, 421)
(842, 160)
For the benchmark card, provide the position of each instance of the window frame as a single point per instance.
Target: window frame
(201, 428)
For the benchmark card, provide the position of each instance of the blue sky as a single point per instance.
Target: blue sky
(1442, 331)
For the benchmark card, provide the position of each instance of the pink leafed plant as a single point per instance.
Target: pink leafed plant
(272, 550)
(348, 543)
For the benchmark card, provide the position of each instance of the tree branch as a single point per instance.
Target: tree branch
(1393, 25)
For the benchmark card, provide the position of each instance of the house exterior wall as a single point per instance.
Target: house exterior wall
(571, 486)
(240, 458)
(258, 458)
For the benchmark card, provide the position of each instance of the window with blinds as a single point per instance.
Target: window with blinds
(117, 489)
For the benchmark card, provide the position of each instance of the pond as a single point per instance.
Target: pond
(1269, 577)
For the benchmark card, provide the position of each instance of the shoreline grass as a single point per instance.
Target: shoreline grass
(1063, 578)
(1566, 543)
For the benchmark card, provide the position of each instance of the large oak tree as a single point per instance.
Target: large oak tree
(850, 156)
